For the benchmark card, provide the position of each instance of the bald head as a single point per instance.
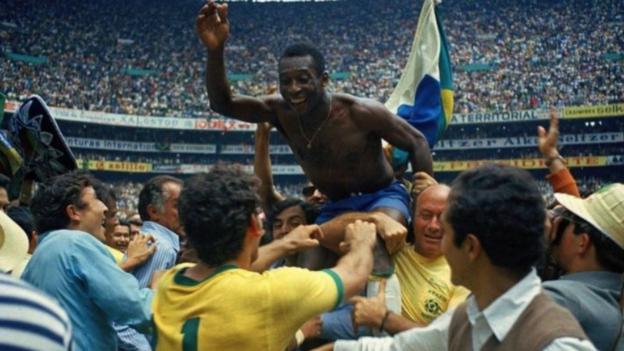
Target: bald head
(426, 225)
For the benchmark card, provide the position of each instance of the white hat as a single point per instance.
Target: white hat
(604, 210)
(13, 243)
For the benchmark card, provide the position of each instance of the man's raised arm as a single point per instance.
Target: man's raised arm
(213, 29)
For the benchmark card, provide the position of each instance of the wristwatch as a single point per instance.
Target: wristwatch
(552, 159)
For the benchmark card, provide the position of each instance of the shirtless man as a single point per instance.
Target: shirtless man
(336, 138)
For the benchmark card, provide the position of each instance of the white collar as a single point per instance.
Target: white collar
(501, 314)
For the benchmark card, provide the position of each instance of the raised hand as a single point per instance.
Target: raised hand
(547, 142)
(212, 25)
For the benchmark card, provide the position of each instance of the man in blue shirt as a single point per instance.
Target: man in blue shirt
(72, 265)
(587, 242)
(158, 207)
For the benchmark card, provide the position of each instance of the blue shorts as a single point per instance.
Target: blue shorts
(393, 196)
(338, 325)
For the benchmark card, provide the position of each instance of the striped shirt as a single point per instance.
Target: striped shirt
(167, 248)
(29, 320)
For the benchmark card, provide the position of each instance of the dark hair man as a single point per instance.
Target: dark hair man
(158, 207)
(336, 138)
(261, 311)
(72, 265)
(493, 237)
(589, 246)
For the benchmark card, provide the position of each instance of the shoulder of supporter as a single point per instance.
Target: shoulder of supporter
(52, 326)
(298, 284)
(565, 293)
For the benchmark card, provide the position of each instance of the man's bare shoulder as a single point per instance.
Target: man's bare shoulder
(363, 107)
(275, 101)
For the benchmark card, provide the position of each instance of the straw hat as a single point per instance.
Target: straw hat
(604, 210)
(13, 243)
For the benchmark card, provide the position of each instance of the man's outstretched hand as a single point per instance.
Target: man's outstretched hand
(547, 141)
(302, 238)
(212, 25)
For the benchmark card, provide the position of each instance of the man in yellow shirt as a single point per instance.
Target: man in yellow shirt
(424, 274)
(219, 304)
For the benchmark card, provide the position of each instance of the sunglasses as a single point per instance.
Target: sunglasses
(564, 219)
(308, 190)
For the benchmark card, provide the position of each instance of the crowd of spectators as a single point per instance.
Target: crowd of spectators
(128, 191)
(104, 56)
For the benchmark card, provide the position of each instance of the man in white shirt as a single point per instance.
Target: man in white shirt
(494, 226)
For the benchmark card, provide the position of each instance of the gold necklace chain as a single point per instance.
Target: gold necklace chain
(309, 141)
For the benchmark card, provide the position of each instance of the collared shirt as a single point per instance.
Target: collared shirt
(594, 299)
(29, 318)
(76, 269)
(497, 319)
(167, 247)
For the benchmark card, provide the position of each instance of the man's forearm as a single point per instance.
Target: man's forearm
(129, 264)
(396, 323)
(355, 266)
(217, 86)
(269, 253)
(333, 230)
(421, 158)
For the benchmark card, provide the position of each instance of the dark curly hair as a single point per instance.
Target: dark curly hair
(504, 209)
(215, 209)
(52, 198)
(311, 211)
(306, 49)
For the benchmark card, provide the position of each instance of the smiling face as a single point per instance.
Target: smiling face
(299, 83)
(90, 217)
(121, 237)
(428, 231)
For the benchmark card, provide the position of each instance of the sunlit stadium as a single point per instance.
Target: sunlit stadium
(127, 83)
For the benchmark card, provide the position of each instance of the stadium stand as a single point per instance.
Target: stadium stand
(519, 58)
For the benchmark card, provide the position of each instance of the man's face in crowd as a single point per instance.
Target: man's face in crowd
(454, 255)
(561, 239)
(299, 83)
(4, 199)
(289, 219)
(92, 214)
(427, 227)
(168, 217)
(121, 237)
(312, 195)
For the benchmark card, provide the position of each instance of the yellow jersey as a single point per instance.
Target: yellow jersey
(426, 288)
(117, 255)
(236, 309)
